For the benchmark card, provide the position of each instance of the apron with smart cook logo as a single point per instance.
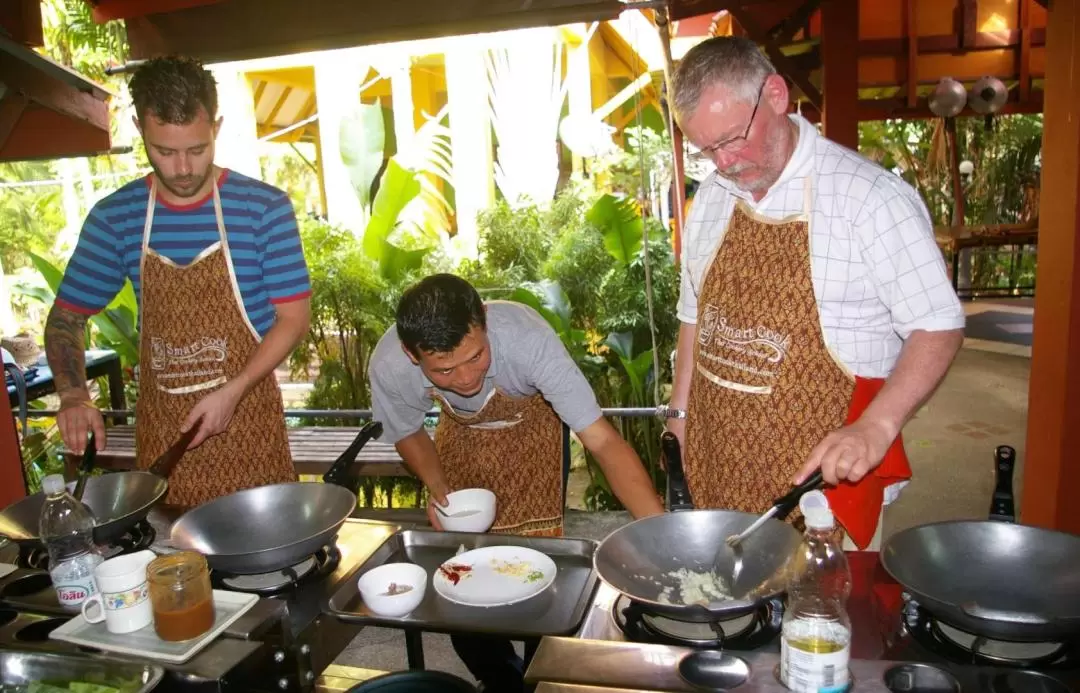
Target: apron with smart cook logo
(194, 337)
(514, 448)
(766, 389)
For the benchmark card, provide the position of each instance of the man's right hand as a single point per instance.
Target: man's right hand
(433, 514)
(76, 418)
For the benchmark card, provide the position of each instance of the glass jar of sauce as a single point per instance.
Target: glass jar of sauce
(181, 595)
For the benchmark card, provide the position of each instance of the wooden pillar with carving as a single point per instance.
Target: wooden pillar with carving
(840, 65)
(1052, 464)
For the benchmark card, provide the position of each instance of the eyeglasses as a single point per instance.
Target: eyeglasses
(735, 144)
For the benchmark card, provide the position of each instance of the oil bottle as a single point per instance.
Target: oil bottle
(815, 645)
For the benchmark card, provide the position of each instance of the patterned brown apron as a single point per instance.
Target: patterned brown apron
(195, 335)
(512, 447)
(766, 388)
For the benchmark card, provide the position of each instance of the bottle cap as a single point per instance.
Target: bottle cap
(53, 484)
(819, 518)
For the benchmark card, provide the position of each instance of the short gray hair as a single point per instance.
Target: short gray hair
(732, 61)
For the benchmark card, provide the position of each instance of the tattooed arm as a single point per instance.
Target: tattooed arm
(65, 341)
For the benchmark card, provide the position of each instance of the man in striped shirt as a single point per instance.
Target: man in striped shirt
(216, 262)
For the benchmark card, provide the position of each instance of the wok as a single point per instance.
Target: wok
(991, 578)
(118, 500)
(260, 530)
(636, 558)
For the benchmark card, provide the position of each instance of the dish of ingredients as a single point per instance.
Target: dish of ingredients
(494, 576)
(395, 589)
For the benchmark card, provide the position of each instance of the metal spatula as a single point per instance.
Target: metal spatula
(780, 509)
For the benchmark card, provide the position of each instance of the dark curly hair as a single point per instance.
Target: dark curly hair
(173, 88)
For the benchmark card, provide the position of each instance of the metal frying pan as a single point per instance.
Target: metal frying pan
(118, 500)
(994, 579)
(636, 558)
(260, 530)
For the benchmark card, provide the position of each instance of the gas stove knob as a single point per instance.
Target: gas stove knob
(305, 649)
(283, 684)
(310, 676)
(279, 656)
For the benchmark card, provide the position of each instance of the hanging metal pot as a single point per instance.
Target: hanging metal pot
(988, 95)
(948, 98)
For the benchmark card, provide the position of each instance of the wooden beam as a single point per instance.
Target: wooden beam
(782, 63)
(969, 22)
(840, 58)
(911, 29)
(12, 107)
(282, 98)
(1025, 49)
(1051, 472)
(948, 43)
(797, 20)
(897, 109)
(260, 87)
(45, 134)
(21, 19)
(47, 90)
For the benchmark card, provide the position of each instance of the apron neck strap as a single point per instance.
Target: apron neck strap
(152, 203)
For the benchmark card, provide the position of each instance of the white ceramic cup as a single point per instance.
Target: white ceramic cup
(123, 598)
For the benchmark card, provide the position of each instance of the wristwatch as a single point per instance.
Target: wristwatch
(666, 412)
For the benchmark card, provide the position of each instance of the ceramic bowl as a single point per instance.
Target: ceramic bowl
(375, 583)
(468, 510)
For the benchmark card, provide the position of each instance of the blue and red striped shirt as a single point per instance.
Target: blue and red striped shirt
(259, 223)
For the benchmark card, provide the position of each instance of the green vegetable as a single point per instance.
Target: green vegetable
(70, 687)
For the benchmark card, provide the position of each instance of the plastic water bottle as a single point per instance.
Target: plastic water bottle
(67, 529)
(815, 645)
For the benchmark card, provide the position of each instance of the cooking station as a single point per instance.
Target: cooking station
(896, 646)
(284, 643)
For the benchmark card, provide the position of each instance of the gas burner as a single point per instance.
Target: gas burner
(961, 647)
(747, 632)
(139, 536)
(322, 562)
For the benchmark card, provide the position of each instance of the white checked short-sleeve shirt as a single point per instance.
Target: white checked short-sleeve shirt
(877, 271)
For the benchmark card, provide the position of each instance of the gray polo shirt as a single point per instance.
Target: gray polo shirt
(526, 357)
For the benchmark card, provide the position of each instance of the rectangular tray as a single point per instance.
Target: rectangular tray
(558, 610)
(228, 607)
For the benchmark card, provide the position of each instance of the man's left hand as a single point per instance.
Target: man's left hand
(849, 453)
(215, 410)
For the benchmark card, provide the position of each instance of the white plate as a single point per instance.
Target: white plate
(484, 585)
(228, 606)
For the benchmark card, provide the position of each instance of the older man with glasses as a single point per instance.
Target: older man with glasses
(816, 313)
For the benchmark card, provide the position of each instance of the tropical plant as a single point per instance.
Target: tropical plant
(526, 93)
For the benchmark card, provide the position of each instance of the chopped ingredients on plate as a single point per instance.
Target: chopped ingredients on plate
(395, 589)
(518, 569)
(454, 572)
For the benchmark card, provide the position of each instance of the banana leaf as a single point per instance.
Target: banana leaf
(620, 225)
(362, 140)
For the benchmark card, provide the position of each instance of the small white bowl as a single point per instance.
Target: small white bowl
(468, 510)
(375, 583)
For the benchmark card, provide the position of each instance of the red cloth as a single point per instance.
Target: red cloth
(857, 507)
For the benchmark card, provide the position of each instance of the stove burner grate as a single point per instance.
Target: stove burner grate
(321, 563)
(137, 537)
(962, 647)
(747, 632)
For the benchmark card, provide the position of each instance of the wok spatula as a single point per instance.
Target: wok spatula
(164, 464)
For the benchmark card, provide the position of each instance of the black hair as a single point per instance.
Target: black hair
(173, 89)
(436, 313)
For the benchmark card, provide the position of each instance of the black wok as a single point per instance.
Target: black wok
(990, 578)
(118, 500)
(260, 530)
(636, 558)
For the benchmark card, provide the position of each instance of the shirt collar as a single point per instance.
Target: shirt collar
(797, 166)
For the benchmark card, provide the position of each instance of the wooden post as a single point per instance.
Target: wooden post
(12, 480)
(840, 63)
(1051, 472)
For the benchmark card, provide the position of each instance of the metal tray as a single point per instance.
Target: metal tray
(21, 668)
(558, 610)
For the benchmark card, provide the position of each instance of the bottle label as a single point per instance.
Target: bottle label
(803, 671)
(75, 592)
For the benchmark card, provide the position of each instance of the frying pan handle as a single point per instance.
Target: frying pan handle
(1002, 506)
(1016, 617)
(786, 503)
(678, 490)
(339, 471)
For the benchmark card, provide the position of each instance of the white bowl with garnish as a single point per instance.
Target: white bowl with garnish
(468, 510)
(393, 589)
